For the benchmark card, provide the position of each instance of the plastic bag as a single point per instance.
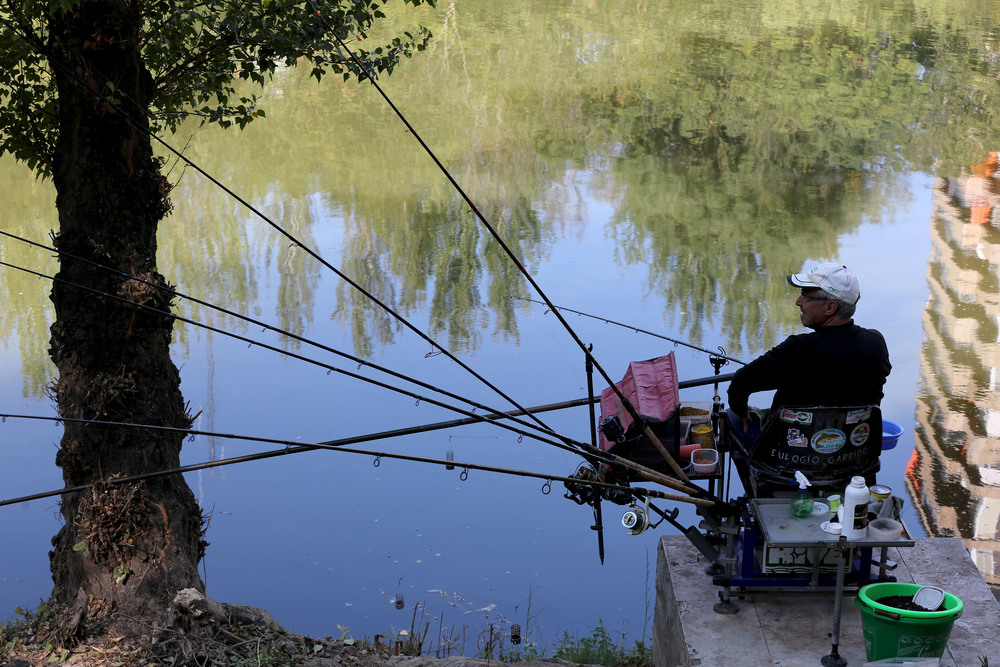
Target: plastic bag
(884, 509)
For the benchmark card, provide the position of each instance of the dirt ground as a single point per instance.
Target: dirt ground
(201, 632)
(106, 652)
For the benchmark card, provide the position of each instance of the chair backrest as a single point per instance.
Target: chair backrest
(828, 444)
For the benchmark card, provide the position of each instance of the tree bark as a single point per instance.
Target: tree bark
(124, 548)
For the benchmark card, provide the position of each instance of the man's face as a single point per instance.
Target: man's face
(812, 303)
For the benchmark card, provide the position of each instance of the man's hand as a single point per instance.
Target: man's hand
(745, 418)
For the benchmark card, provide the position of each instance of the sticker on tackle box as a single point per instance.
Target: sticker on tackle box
(855, 416)
(859, 435)
(828, 441)
(795, 416)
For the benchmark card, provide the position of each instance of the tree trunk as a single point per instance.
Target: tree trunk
(124, 548)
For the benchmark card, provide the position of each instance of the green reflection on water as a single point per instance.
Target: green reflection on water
(733, 140)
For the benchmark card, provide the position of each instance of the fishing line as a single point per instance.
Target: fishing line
(684, 483)
(174, 293)
(626, 403)
(721, 352)
(567, 443)
(294, 447)
(394, 433)
(312, 253)
(563, 443)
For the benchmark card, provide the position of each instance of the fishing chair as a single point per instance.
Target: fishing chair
(766, 549)
(829, 445)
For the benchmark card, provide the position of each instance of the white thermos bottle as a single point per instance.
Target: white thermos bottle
(856, 509)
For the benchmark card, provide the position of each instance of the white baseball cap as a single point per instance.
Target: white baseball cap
(835, 279)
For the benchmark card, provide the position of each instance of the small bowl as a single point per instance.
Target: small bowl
(884, 529)
(890, 434)
(704, 460)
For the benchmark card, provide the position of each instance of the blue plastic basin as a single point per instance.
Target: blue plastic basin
(890, 434)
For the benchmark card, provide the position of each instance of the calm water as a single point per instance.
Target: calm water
(657, 166)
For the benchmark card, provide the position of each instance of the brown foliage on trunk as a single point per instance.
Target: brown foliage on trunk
(131, 546)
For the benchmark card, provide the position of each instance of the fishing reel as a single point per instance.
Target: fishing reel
(580, 492)
(619, 496)
(612, 429)
(636, 519)
(585, 493)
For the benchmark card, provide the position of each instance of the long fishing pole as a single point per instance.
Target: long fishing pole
(370, 437)
(685, 486)
(296, 447)
(295, 241)
(492, 414)
(626, 403)
(565, 444)
(361, 362)
(642, 471)
(716, 353)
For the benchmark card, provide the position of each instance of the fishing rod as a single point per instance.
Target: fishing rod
(626, 403)
(370, 437)
(684, 484)
(296, 242)
(475, 418)
(296, 447)
(717, 353)
(566, 443)
(562, 443)
(361, 362)
(590, 452)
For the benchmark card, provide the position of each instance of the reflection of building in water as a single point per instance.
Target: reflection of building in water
(954, 475)
(979, 191)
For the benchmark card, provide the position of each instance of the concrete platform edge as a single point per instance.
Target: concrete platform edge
(686, 632)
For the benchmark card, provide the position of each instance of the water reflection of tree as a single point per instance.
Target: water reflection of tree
(753, 149)
(734, 154)
(221, 253)
(27, 312)
(733, 140)
(716, 251)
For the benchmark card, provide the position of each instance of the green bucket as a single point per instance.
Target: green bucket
(900, 633)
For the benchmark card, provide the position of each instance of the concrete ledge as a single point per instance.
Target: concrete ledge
(793, 630)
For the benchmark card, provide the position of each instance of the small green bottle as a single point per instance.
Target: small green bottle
(802, 502)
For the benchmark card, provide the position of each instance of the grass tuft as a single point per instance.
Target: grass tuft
(599, 648)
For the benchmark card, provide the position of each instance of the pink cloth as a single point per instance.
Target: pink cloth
(651, 388)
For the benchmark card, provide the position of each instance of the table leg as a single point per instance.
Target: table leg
(725, 605)
(834, 659)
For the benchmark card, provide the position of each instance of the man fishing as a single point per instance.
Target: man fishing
(837, 364)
